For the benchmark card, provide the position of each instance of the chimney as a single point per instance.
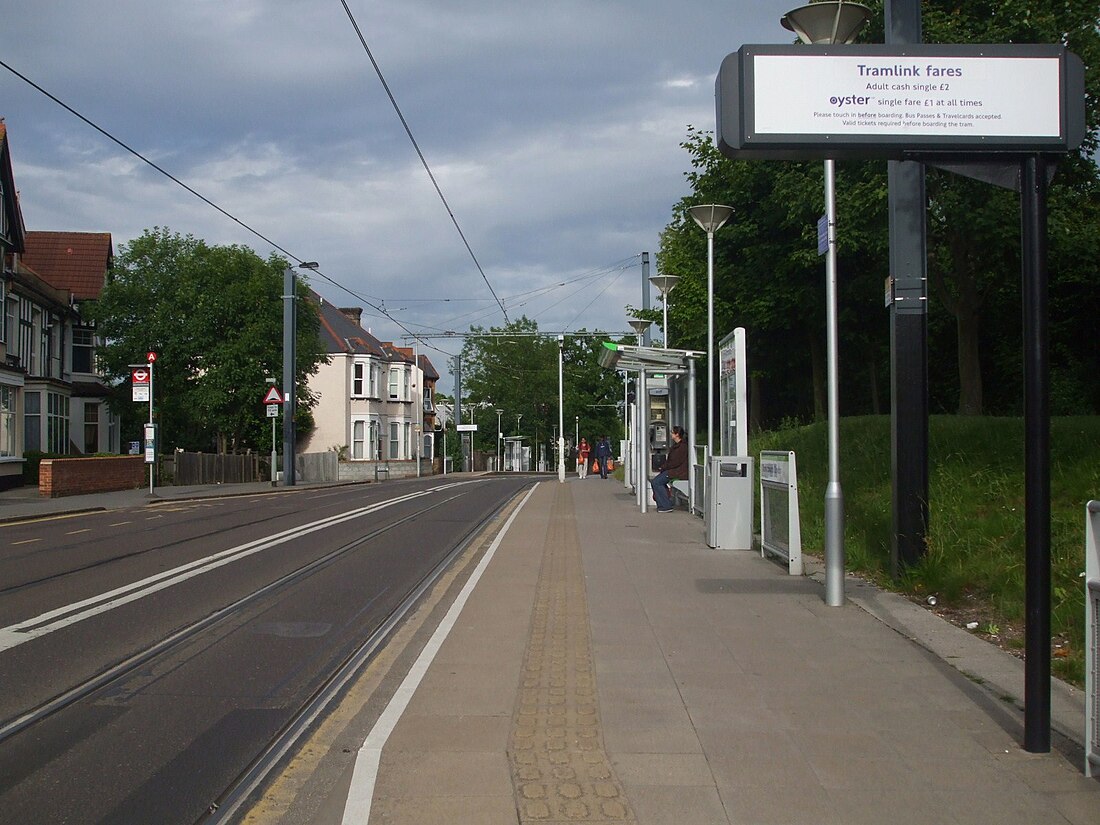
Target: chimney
(353, 314)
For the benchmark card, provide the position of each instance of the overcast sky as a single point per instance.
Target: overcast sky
(552, 128)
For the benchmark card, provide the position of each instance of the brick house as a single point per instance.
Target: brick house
(77, 263)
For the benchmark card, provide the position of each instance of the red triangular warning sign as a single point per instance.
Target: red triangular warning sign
(273, 396)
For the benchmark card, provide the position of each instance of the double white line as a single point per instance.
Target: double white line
(53, 620)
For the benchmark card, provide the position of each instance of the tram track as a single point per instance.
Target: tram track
(360, 636)
(124, 668)
(222, 810)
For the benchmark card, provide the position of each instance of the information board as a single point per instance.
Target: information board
(802, 102)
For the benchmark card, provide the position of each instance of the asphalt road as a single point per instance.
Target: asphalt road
(148, 655)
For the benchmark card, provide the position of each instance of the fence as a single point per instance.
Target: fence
(214, 468)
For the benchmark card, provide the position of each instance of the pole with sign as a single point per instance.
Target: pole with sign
(151, 430)
(272, 399)
(141, 386)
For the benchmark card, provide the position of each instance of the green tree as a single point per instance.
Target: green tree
(768, 277)
(514, 369)
(213, 315)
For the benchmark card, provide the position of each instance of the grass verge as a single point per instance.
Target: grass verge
(974, 562)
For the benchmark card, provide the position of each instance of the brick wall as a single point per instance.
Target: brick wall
(99, 474)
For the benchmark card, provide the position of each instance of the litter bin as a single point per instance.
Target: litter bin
(727, 502)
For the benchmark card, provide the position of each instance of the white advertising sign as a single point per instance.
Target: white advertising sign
(921, 96)
(141, 392)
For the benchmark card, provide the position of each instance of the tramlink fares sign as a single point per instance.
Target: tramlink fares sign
(805, 102)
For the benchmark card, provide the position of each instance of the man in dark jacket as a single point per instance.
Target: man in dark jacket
(603, 455)
(675, 466)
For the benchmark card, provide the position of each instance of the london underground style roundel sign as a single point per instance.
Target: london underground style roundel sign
(807, 102)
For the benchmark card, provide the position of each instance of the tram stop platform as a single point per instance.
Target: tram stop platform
(594, 664)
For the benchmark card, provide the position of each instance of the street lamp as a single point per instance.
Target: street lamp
(711, 217)
(664, 284)
(829, 22)
(826, 22)
(290, 357)
(577, 430)
(639, 325)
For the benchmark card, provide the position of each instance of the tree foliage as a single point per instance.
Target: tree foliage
(213, 315)
(769, 278)
(514, 369)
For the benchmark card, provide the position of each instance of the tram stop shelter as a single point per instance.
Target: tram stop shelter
(665, 386)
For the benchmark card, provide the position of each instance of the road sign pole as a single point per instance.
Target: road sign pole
(153, 465)
(274, 455)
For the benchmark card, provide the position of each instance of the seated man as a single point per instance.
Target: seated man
(675, 466)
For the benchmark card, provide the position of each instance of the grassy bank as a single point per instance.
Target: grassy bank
(975, 559)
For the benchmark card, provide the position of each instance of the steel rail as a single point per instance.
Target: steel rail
(126, 666)
(256, 774)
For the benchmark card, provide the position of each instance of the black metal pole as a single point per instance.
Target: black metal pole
(908, 331)
(1033, 214)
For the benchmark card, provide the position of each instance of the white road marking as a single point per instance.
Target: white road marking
(53, 620)
(365, 773)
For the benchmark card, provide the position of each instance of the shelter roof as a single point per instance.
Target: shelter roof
(651, 359)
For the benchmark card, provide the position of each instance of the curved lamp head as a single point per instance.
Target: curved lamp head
(664, 283)
(827, 22)
(710, 217)
(639, 325)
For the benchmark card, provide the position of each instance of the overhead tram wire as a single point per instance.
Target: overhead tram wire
(420, 154)
(146, 160)
(200, 196)
(595, 298)
(530, 295)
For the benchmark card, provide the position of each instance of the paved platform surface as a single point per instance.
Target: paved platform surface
(609, 667)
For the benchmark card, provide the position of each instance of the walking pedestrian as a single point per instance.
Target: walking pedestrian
(603, 455)
(583, 451)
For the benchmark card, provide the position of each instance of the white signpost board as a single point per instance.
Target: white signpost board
(971, 97)
(802, 102)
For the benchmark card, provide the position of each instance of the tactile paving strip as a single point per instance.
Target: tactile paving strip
(560, 771)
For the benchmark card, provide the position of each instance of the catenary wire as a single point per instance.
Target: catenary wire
(420, 154)
(202, 197)
(146, 160)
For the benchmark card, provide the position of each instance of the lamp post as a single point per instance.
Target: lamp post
(664, 284)
(577, 430)
(561, 409)
(828, 22)
(639, 325)
(290, 358)
(710, 217)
